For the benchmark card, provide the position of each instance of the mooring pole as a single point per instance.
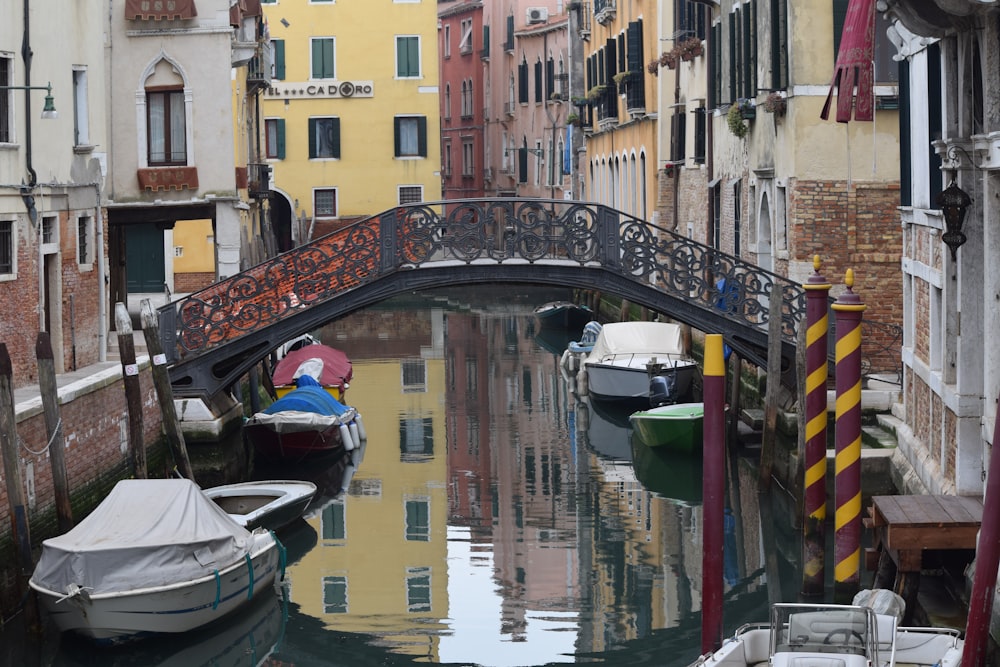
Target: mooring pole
(133, 392)
(814, 523)
(12, 473)
(164, 392)
(977, 626)
(714, 483)
(847, 518)
(53, 427)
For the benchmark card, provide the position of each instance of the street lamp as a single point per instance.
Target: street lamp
(49, 110)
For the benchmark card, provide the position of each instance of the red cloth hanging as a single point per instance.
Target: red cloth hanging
(855, 65)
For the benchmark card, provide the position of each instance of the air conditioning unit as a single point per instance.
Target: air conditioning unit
(538, 14)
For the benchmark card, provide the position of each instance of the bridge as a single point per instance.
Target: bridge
(213, 337)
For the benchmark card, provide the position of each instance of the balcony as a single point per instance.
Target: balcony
(604, 11)
(259, 68)
(259, 180)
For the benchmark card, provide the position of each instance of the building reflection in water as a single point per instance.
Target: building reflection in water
(496, 519)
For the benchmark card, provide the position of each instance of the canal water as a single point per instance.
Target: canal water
(492, 518)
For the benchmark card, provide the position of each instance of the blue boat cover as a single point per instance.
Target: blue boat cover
(308, 396)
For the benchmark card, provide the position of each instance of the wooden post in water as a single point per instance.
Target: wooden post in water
(847, 309)
(713, 492)
(12, 473)
(53, 428)
(133, 392)
(771, 395)
(817, 327)
(977, 625)
(164, 393)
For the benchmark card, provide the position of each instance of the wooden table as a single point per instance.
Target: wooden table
(907, 526)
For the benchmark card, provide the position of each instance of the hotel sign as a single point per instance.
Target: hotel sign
(284, 90)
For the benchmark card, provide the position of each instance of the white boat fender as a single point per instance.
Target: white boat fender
(345, 437)
(354, 432)
(348, 476)
(361, 427)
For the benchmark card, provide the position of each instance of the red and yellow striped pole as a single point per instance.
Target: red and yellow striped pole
(814, 525)
(713, 492)
(847, 538)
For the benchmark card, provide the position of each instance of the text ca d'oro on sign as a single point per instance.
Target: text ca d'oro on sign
(321, 89)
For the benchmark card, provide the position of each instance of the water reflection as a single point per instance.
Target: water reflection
(495, 518)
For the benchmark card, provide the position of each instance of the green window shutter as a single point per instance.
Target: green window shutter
(280, 126)
(317, 59)
(413, 56)
(422, 136)
(395, 136)
(279, 58)
(336, 137)
(312, 138)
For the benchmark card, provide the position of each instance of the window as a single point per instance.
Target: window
(538, 82)
(325, 203)
(411, 194)
(447, 101)
(408, 57)
(324, 138)
(418, 589)
(418, 520)
(468, 158)
(6, 108)
(522, 82)
(8, 256)
(268, 2)
(85, 240)
(335, 595)
(414, 376)
(333, 521)
(447, 158)
(278, 48)
(81, 120)
(323, 60)
(416, 439)
(465, 44)
(410, 136)
(166, 131)
(274, 138)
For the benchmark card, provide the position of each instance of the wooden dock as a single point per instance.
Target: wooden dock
(906, 528)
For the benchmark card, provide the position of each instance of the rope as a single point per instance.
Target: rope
(48, 444)
(218, 590)
(250, 572)
(282, 554)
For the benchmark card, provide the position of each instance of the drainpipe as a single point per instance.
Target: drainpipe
(102, 291)
(26, 56)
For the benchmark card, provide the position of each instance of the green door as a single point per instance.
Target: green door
(144, 258)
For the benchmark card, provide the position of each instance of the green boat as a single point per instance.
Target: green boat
(676, 427)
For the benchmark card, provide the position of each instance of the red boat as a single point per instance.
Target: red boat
(330, 367)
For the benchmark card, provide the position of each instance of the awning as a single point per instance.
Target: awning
(160, 9)
(854, 73)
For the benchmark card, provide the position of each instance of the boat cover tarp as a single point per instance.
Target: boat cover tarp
(146, 533)
(331, 367)
(308, 396)
(639, 338)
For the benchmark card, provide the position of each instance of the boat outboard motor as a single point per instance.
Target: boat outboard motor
(662, 389)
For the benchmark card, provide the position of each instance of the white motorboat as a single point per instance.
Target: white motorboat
(628, 356)
(829, 635)
(156, 556)
(271, 504)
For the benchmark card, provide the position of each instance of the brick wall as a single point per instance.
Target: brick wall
(94, 427)
(192, 282)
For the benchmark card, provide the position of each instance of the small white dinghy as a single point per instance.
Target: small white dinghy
(831, 635)
(156, 556)
(271, 504)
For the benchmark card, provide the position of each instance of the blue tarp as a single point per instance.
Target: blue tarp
(309, 396)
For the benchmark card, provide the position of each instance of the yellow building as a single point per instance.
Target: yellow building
(351, 117)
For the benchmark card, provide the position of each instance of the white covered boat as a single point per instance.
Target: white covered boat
(829, 635)
(628, 355)
(156, 556)
(270, 504)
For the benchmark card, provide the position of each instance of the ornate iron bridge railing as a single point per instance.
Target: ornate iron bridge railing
(573, 241)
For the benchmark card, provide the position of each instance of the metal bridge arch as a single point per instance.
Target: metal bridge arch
(213, 337)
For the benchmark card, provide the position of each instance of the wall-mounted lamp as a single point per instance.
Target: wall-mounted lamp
(953, 203)
(534, 151)
(49, 110)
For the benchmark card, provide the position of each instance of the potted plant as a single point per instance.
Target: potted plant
(668, 59)
(734, 118)
(621, 78)
(595, 93)
(580, 102)
(653, 67)
(573, 119)
(775, 103)
(690, 48)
